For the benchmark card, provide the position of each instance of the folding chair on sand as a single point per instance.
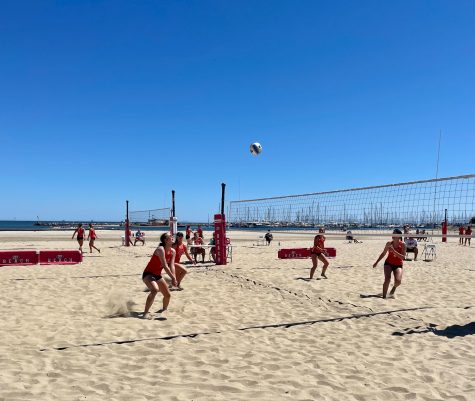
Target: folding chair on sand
(429, 252)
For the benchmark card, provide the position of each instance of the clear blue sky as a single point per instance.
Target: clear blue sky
(103, 101)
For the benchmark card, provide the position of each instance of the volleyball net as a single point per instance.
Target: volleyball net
(151, 217)
(422, 205)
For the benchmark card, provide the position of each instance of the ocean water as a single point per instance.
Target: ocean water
(16, 225)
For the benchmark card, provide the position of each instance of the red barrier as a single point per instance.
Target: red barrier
(302, 253)
(18, 258)
(60, 257)
(294, 253)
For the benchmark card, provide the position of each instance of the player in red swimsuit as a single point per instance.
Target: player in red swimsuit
(162, 258)
(318, 252)
(396, 250)
(91, 236)
(180, 249)
(468, 231)
(461, 232)
(80, 238)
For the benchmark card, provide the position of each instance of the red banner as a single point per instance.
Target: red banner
(18, 258)
(302, 253)
(60, 257)
(220, 239)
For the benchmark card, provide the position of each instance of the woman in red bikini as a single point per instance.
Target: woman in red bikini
(180, 249)
(80, 232)
(318, 252)
(396, 250)
(91, 236)
(468, 231)
(162, 258)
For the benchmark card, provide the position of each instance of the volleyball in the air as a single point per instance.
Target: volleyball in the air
(255, 148)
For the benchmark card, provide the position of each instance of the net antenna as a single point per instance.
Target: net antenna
(367, 211)
(127, 230)
(435, 183)
(173, 219)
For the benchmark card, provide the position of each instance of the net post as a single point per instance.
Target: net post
(127, 236)
(173, 219)
(223, 189)
(220, 233)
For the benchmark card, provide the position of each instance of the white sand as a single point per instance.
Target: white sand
(340, 347)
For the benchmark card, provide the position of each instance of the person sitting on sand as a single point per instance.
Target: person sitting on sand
(188, 233)
(162, 258)
(197, 250)
(318, 252)
(212, 250)
(396, 250)
(411, 246)
(350, 238)
(180, 248)
(80, 238)
(91, 236)
(139, 237)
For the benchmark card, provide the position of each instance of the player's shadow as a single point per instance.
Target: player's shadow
(309, 279)
(450, 332)
(134, 315)
(370, 295)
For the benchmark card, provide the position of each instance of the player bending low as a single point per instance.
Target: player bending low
(162, 258)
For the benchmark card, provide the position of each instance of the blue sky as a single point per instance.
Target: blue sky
(103, 101)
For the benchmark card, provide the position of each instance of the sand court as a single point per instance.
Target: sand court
(255, 329)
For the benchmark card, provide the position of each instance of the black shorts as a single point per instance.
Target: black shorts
(153, 277)
(393, 267)
(187, 236)
(80, 238)
(315, 253)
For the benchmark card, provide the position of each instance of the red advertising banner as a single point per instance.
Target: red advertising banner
(18, 258)
(293, 253)
(220, 239)
(302, 253)
(60, 257)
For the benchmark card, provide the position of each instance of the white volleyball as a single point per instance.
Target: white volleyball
(255, 148)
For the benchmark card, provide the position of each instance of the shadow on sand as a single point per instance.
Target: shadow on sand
(309, 279)
(450, 332)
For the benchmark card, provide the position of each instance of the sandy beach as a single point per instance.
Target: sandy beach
(251, 330)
